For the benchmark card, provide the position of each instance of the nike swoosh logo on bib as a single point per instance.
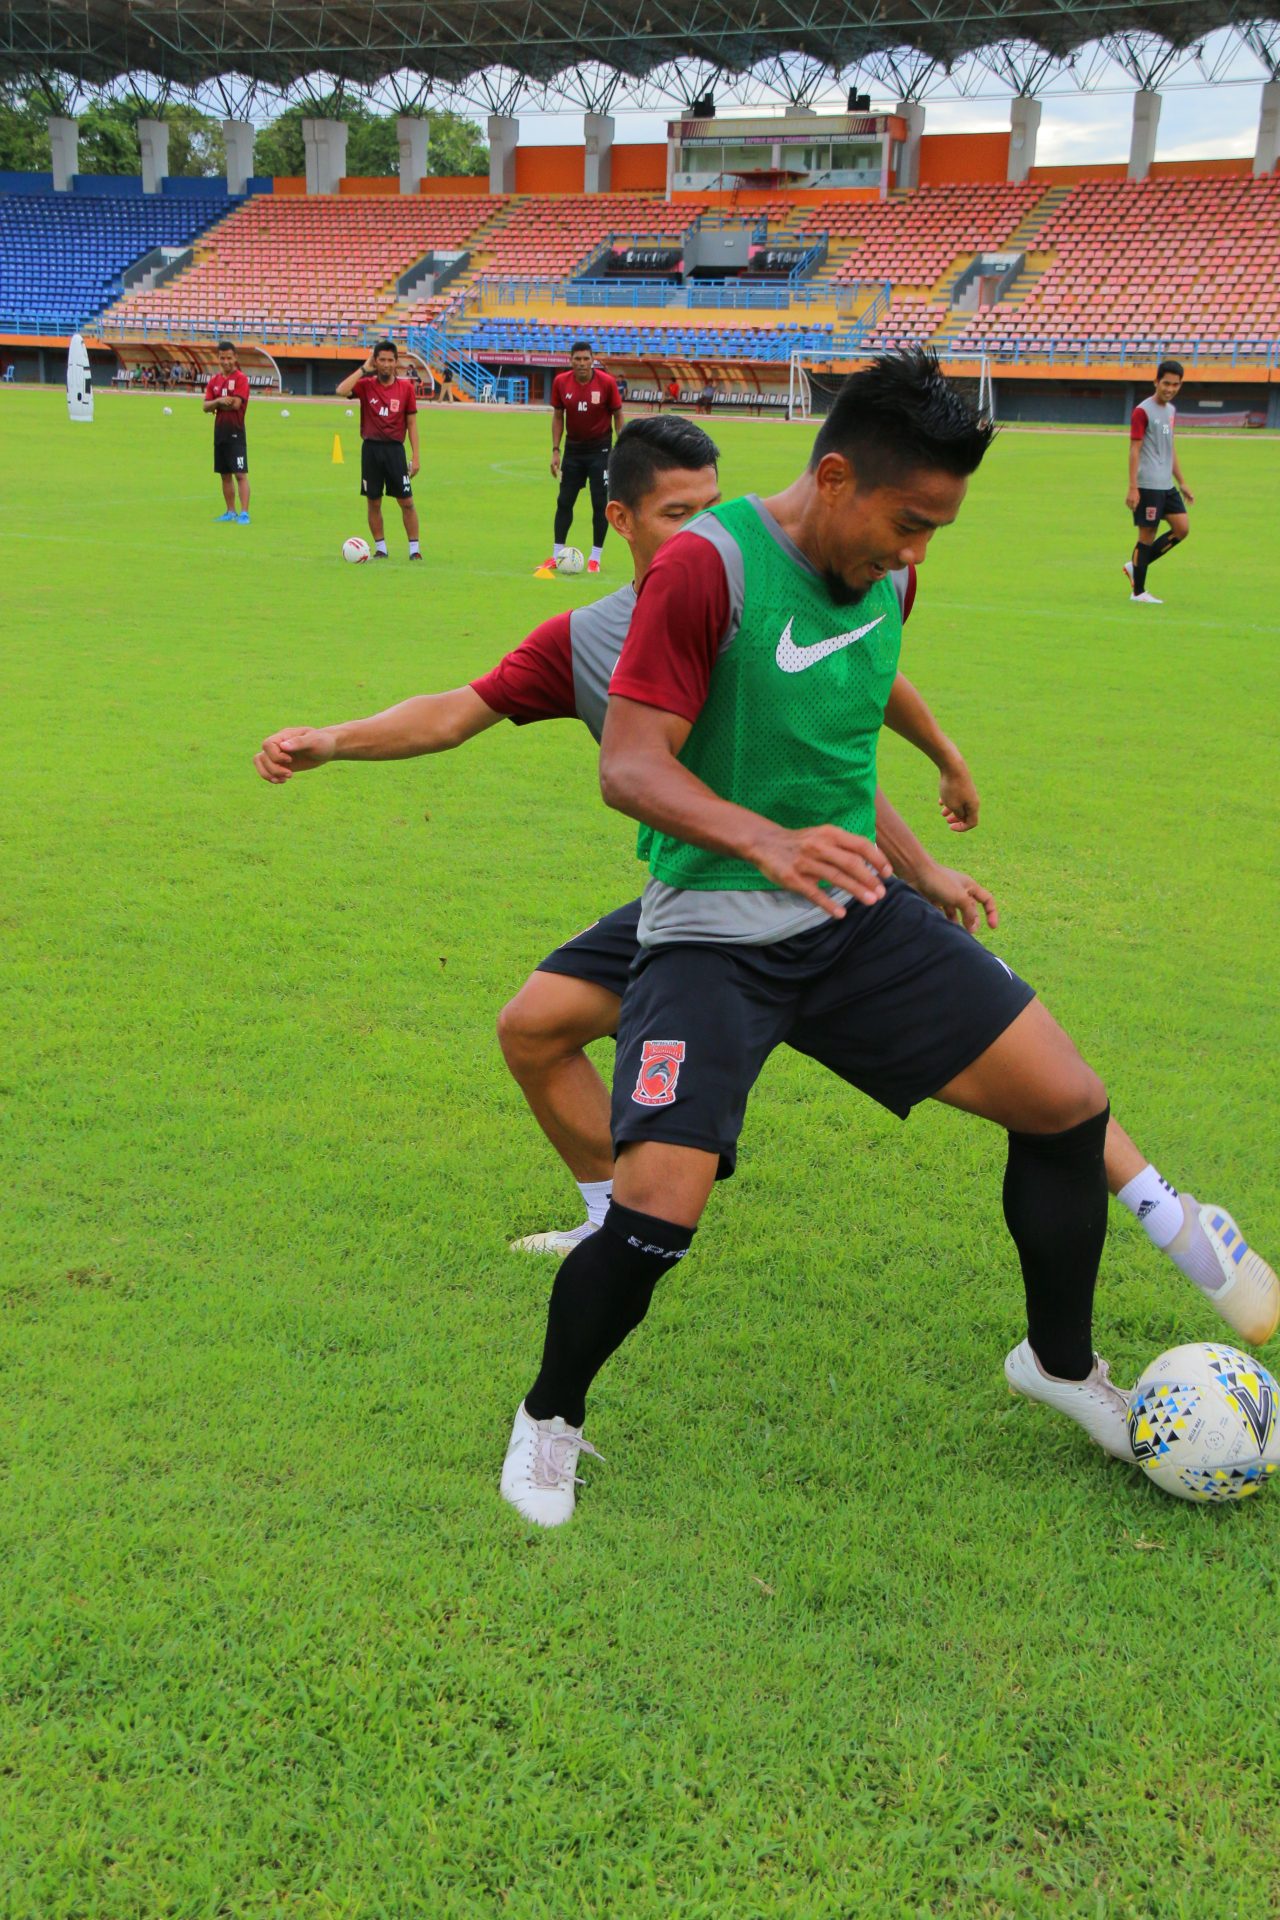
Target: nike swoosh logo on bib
(794, 659)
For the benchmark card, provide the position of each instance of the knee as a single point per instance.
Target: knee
(1073, 1095)
(529, 1039)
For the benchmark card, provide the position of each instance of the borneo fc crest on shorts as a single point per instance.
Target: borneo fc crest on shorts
(659, 1070)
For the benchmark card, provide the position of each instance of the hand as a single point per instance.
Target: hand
(799, 860)
(414, 465)
(293, 750)
(1131, 499)
(958, 896)
(555, 464)
(1188, 496)
(958, 798)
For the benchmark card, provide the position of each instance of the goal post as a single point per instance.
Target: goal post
(799, 392)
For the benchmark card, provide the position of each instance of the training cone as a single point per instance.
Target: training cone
(337, 450)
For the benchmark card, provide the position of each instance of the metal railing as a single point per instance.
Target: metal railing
(508, 290)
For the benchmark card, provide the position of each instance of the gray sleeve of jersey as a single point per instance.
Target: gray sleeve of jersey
(709, 528)
(596, 634)
(901, 578)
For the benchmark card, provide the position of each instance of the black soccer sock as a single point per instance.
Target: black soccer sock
(599, 501)
(1055, 1204)
(1162, 546)
(1141, 561)
(601, 1293)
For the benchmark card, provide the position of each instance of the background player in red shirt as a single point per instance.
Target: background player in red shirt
(388, 410)
(226, 396)
(585, 404)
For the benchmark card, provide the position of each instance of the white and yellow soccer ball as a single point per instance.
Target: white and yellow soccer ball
(1204, 1423)
(356, 550)
(570, 561)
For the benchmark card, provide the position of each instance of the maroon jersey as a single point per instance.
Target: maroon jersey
(229, 419)
(588, 406)
(384, 411)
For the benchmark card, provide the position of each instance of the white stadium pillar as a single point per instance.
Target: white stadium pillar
(1142, 146)
(504, 137)
(237, 138)
(325, 145)
(64, 148)
(597, 165)
(413, 135)
(1024, 125)
(153, 140)
(908, 169)
(1267, 151)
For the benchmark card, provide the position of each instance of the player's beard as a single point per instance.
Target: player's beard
(841, 593)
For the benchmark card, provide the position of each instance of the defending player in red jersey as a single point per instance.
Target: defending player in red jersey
(585, 405)
(662, 474)
(388, 411)
(226, 396)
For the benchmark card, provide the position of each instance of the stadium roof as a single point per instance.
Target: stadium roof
(281, 43)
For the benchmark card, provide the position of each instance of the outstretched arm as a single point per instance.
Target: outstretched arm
(428, 723)
(641, 775)
(909, 715)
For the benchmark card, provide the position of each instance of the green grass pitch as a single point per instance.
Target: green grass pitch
(840, 1629)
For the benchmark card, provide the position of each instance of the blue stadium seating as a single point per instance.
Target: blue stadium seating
(494, 339)
(62, 255)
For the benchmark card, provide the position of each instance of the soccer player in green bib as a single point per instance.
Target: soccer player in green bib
(743, 720)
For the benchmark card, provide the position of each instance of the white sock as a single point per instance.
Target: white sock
(557, 548)
(596, 1195)
(596, 552)
(379, 546)
(1154, 1204)
(414, 547)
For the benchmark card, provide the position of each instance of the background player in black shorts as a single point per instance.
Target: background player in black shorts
(1157, 489)
(226, 396)
(388, 411)
(585, 405)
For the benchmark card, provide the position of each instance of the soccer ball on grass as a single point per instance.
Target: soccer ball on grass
(570, 561)
(355, 550)
(1204, 1423)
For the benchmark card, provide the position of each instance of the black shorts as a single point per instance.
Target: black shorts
(384, 467)
(604, 953)
(230, 453)
(1156, 504)
(894, 999)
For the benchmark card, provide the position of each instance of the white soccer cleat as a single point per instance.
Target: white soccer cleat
(1128, 574)
(1249, 1297)
(1144, 599)
(538, 1477)
(1100, 1408)
(556, 1240)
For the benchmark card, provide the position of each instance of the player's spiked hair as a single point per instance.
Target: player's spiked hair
(386, 346)
(226, 346)
(581, 346)
(901, 414)
(1169, 366)
(656, 443)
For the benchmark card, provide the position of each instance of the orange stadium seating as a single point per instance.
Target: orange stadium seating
(555, 234)
(285, 262)
(915, 238)
(1160, 262)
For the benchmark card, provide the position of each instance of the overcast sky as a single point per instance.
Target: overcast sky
(1197, 119)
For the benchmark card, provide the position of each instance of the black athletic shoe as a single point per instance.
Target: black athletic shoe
(415, 556)
(380, 556)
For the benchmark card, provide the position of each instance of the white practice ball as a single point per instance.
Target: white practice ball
(355, 550)
(570, 561)
(1204, 1423)
(168, 409)
(284, 413)
(351, 413)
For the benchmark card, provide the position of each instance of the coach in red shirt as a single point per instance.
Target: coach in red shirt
(388, 410)
(226, 396)
(585, 404)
